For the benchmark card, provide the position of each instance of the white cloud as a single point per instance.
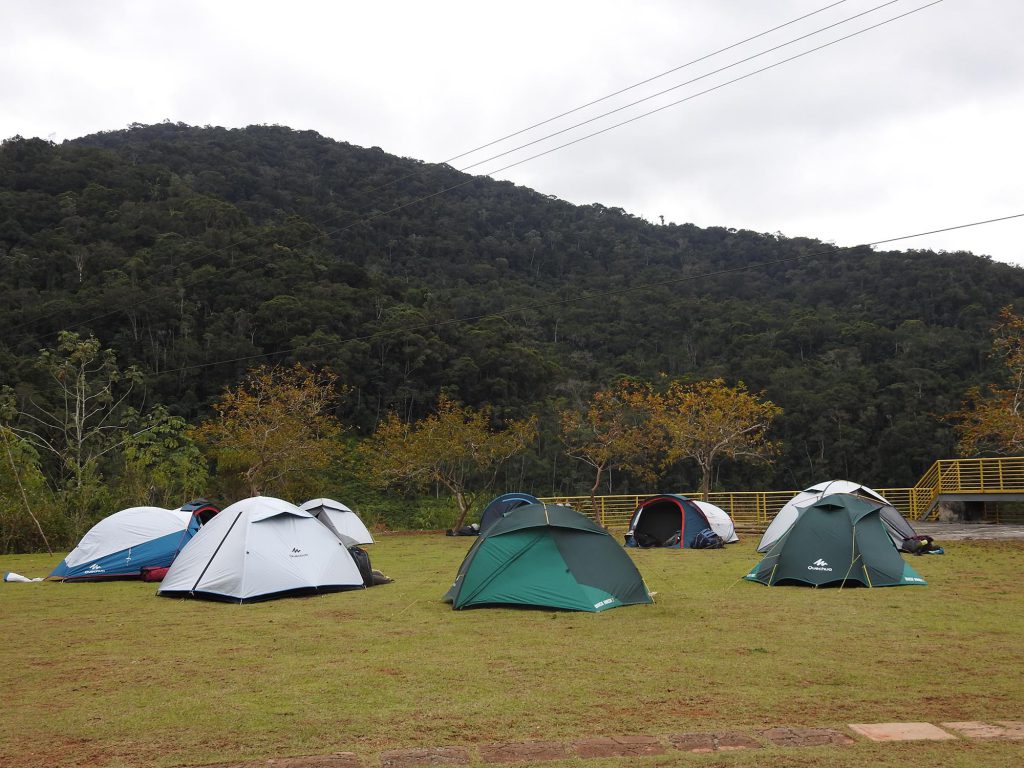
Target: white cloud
(910, 127)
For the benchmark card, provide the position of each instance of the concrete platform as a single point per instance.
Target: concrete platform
(967, 531)
(901, 731)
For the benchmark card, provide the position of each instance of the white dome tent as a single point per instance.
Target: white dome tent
(340, 519)
(261, 548)
(786, 516)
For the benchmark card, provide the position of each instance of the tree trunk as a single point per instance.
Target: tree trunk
(463, 504)
(705, 481)
(593, 492)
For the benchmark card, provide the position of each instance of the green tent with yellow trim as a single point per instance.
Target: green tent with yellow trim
(550, 556)
(838, 540)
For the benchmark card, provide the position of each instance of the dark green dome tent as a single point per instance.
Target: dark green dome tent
(548, 556)
(838, 540)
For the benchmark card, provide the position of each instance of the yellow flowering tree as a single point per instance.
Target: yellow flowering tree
(991, 419)
(455, 447)
(613, 431)
(710, 421)
(274, 427)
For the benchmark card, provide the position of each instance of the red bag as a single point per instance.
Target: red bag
(154, 574)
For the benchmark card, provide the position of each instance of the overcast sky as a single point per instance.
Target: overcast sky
(914, 126)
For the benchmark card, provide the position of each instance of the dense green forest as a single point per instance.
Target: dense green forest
(197, 253)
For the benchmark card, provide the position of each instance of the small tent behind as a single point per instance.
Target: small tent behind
(340, 519)
(670, 520)
(838, 540)
(549, 556)
(258, 549)
(125, 543)
(501, 506)
(719, 520)
(900, 531)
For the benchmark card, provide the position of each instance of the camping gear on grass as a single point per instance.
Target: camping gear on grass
(121, 545)
(549, 556)
(501, 506)
(473, 529)
(900, 531)
(340, 519)
(670, 520)
(18, 578)
(837, 540)
(258, 549)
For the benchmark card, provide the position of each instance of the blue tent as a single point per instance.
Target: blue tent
(501, 506)
(122, 545)
(667, 520)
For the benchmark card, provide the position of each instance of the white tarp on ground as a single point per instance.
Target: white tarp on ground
(258, 548)
(790, 510)
(719, 521)
(339, 518)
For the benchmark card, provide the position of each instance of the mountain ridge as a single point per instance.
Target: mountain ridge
(181, 246)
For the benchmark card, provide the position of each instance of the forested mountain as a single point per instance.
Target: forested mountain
(190, 251)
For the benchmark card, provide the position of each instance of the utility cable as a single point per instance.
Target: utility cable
(682, 85)
(642, 82)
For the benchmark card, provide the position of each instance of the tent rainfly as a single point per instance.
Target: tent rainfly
(258, 549)
(121, 545)
(548, 556)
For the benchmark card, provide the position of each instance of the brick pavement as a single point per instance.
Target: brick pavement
(633, 746)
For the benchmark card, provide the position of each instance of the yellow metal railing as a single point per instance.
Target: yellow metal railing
(753, 510)
(748, 509)
(990, 476)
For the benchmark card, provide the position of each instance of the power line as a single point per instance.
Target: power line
(683, 84)
(642, 82)
(704, 92)
(366, 218)
(587, 297)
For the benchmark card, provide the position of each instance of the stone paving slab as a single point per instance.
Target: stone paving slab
(713, 742)
(337, 760)
(901, 731)
(523, 751)
(806, 737)
(412, 758)
(1001, 729)
(619, 746)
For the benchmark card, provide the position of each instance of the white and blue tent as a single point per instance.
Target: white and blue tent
(121, 545)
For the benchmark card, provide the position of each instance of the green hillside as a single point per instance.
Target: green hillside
(191, 250)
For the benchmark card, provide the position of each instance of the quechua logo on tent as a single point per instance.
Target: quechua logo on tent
(296, 552)
(819, 565)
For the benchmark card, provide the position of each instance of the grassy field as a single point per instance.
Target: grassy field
(109, 675)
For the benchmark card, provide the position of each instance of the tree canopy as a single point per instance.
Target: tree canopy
(455, 447)
(275, 425)
(991, 419)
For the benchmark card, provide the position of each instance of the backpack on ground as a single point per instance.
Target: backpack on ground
(707, 539)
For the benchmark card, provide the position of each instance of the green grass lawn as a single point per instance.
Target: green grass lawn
(107, 674)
